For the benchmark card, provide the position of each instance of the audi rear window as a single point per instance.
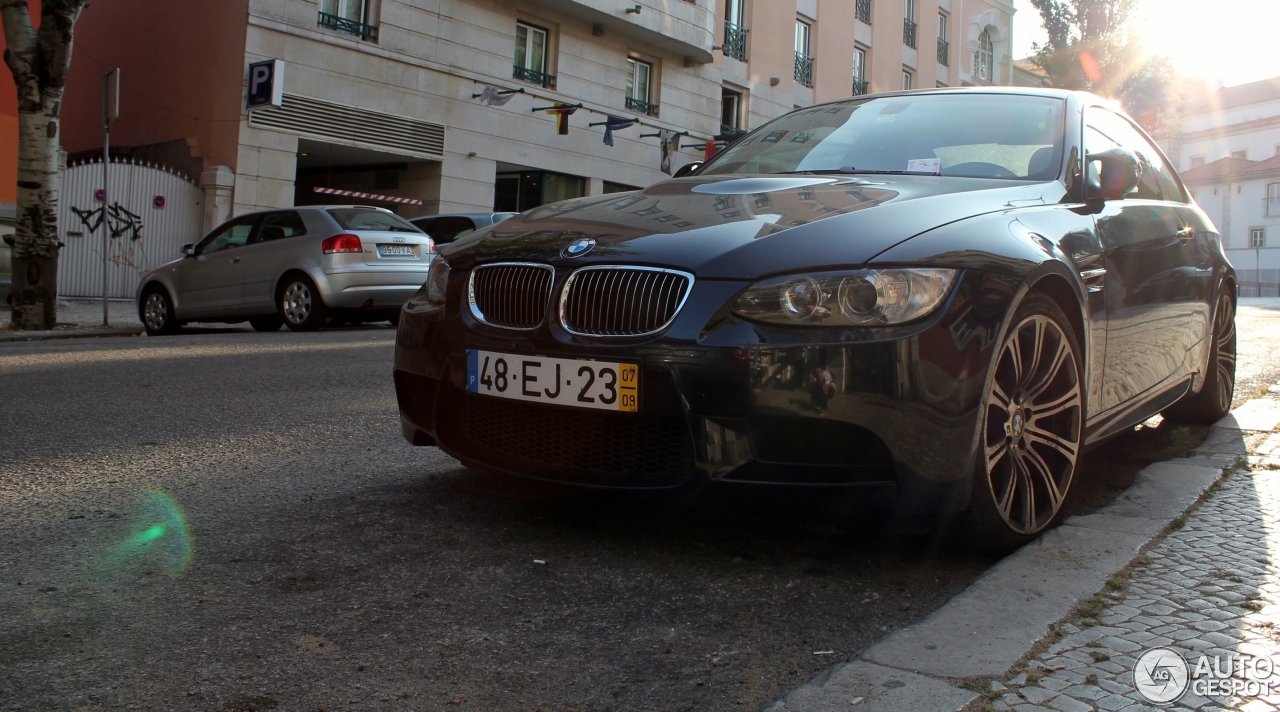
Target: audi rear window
(373, 220)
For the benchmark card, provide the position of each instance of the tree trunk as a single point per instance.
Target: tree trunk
(35, 249)
(38, 60)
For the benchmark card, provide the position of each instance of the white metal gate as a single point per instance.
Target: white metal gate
(151, 213)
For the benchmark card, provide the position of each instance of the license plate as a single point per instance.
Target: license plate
(572, 382)
(395, 250)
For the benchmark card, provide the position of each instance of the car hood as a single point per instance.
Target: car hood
(744, 227)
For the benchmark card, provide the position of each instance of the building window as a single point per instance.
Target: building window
(735, 32)
(1197, 161)
(863, 11)
(909, 24)
(984, 58)
(349, 16)
(1273, 200)
(531, 55)
(1257, 237)
(944, 47)
(1238, 154)
(907, 79)
(804, 60)
(639, 81)
(859, 71)
(730, 115)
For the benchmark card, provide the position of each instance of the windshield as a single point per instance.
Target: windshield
(366, 219)
(975, 135)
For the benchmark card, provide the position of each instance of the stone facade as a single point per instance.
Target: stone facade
(423, 60)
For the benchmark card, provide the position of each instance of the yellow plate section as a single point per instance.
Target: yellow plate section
(628, 387)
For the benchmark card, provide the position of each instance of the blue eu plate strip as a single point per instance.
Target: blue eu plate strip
(472, 372)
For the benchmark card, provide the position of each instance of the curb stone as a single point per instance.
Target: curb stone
(72, 333)
(991, 626)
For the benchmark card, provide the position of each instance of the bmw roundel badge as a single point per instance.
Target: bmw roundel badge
(578, 248)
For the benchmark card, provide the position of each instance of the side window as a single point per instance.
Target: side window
(277, 226)
(1104, 130)
(232, 234)
(447, 230)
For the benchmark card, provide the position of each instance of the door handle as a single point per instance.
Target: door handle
(1186, 232)
(235, 260)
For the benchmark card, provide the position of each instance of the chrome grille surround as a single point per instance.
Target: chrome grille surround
(510, 295)
(636, 301)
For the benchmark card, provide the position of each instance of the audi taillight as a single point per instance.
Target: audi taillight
(341, 243)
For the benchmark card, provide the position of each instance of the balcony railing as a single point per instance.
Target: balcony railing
(533, 76)
(804, 69)
(351, 27)
(735, 41)
(864, 11)
(909, 33)
(860, 87)
(642, 106)
(944, 52)
(729, 133)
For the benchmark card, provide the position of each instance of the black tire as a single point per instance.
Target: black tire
(156, 310)
(1213, 402)
(300, 305)
(266, 323)
(1032, 430)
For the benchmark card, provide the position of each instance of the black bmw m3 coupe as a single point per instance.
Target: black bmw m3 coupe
(955, 292)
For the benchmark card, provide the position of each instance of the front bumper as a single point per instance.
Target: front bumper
(722, 398)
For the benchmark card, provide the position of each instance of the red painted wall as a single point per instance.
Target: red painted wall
(182, 66)
(9, 123)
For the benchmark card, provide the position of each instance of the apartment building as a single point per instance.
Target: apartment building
(434, 106)
(1228, 153)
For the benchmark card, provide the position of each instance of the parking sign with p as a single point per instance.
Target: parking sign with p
(266, 84)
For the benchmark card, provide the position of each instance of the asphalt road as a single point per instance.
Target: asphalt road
(231, 521)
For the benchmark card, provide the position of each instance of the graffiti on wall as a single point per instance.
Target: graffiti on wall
(120, 220)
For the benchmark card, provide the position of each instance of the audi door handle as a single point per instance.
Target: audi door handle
(235, 260)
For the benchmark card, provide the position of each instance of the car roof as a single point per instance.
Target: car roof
(320, 208)
(1048, 92)
(482, 216)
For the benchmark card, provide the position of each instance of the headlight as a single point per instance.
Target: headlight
(437, 281)
(866, 297)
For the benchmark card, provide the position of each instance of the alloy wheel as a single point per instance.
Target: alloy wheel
(297, 302)
(156, 311)
(1224, 320)
(1033, 425)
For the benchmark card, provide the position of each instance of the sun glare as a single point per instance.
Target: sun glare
(1230, 40)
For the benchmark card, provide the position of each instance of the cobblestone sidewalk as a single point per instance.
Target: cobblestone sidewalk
(1210, 588)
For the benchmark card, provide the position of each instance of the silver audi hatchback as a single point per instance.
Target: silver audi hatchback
(297, 267)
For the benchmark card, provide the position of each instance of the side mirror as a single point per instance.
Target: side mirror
(1118, 173)
(188, 249)
(687, 168)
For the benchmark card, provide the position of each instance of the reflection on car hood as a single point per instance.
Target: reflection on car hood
(736, 227)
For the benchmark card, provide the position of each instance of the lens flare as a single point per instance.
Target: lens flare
(160, 537)
(1090, 66)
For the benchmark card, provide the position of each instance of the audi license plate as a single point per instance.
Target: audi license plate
(395, 250)
(573, 382)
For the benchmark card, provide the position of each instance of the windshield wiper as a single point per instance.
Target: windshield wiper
(847, 170)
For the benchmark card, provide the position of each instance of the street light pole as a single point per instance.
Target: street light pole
(110, 111)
